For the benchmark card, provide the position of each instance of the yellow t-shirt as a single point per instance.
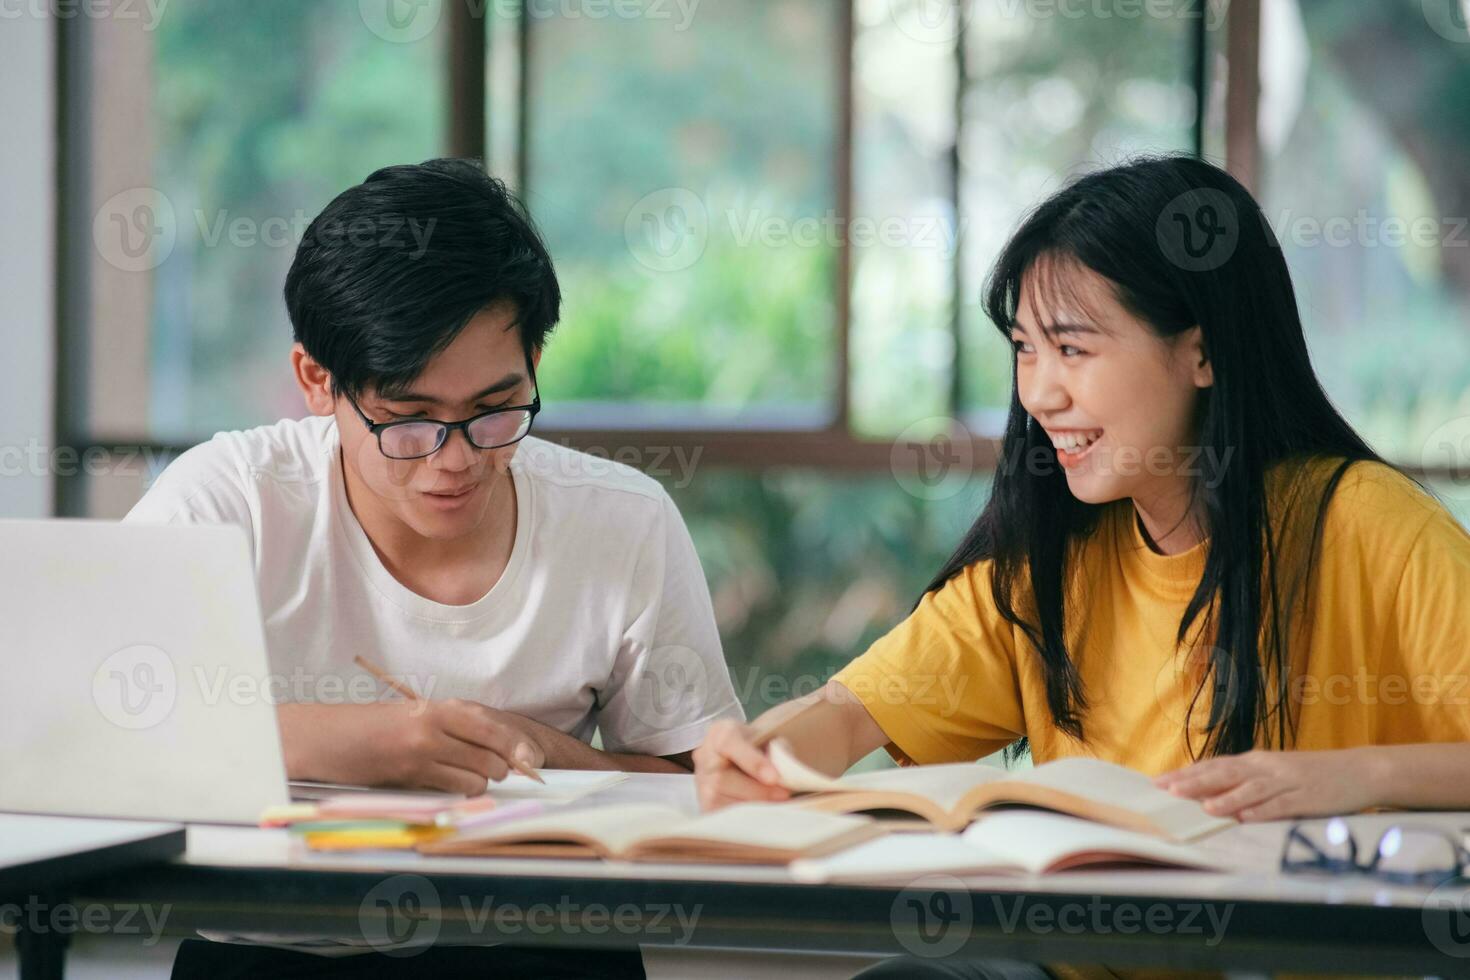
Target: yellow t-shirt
(1386, 660)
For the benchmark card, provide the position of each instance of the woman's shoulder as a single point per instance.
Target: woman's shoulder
(1372, 502)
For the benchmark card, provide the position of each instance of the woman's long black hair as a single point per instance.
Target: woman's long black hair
(1182, 243)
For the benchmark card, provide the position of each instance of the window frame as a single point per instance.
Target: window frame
(833, 447)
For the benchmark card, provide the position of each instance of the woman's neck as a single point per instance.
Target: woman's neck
(1167, 523)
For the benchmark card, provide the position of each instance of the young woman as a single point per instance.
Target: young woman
(1189, 564)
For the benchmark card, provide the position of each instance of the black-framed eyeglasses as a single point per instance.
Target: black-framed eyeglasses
(417, 438)
(1403, 853)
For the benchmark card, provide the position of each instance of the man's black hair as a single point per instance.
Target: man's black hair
(393, 269)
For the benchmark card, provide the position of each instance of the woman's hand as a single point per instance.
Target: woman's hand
(1264, 785)
(730, 768)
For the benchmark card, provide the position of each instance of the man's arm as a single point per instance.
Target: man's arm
(565, 751)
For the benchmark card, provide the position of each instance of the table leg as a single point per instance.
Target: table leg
(42, 952)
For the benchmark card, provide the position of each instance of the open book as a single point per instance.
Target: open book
(1009, 842)
(751, 833)
(950, 797)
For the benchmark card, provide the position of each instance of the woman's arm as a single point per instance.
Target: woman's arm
(1278, 785)
(828, 729)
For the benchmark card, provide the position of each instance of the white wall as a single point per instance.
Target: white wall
(27, 261)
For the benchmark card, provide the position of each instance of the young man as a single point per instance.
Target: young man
(528, 593)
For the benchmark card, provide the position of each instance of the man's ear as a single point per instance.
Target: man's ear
(1202, 372)
(536, 359)
(314, 381)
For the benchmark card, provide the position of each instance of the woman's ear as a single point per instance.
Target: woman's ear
(1201, 371)
(314, 381)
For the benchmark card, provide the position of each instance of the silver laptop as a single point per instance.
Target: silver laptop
(135, 678)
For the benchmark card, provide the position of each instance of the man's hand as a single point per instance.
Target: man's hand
(454, 746)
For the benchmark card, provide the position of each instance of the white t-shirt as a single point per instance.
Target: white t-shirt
(601, 621)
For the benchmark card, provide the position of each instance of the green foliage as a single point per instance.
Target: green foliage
(741, 327)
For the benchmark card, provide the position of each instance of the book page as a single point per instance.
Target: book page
(901, 857)
(1127, 789)
(944, 784)
(768, 825)
(561, 786)
(615, 827)
(1039, 841)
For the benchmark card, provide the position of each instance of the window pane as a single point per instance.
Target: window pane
(1367, 149)
(683, 174)
(904, 229)
(1056, 89)
(263, 111)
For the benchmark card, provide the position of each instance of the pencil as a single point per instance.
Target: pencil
(408, 693)
(380, 675)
